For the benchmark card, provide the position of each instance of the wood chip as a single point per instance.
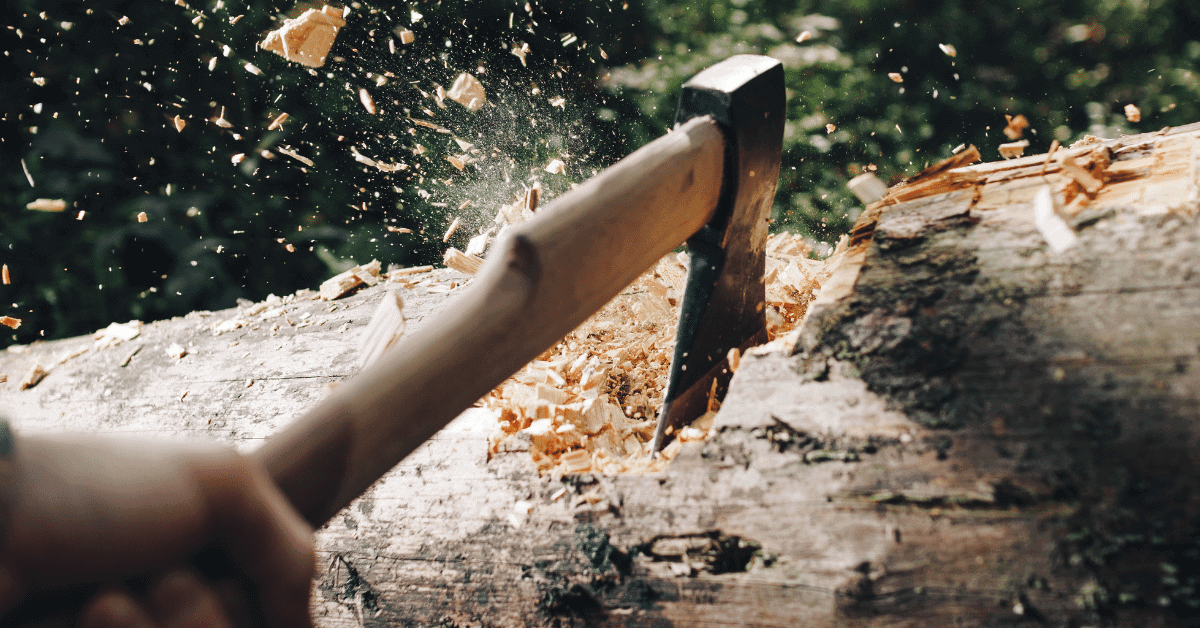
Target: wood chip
(804, 36)
(949, 50)
(531, 198)
(308, 38)
(142, 217)
(176, 351)
(5, 278)
(277, 122)
(1054, 230)
(180, 123)
(556, 166)
(386, 326)
(1132, 113)
(367, 101)
(867, 187)
(129, 358)
(462, 262)
(407, 37)
(896, 77)
(9, 321)
(1013, 150)
(1016, 126)
(80, 215)
(399, 229)
(520, 50)
(237, 159)
(457, 162)
(468, 92)
(454, 225)
(1085, 179)
(34, 377)
(47, 205)
(295, 155)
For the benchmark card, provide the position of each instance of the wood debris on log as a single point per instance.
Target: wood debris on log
(462, 262)
(343, 283)
(308, 38)
(590, 402)
(36, 374)
(385, 328)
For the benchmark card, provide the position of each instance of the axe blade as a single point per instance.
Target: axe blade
(723, 301)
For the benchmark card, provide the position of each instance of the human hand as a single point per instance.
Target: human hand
(91, 510)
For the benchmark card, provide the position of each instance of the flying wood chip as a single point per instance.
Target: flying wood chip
(47, 205)
(308, 38)
(468, 92)
(9, 321)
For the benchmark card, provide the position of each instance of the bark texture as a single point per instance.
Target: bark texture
(968, 430)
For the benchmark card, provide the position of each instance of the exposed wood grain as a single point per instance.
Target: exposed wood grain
(971, 431)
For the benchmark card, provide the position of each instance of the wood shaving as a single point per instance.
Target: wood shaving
(308, 38)
(454, 225)
(47, 205)
(520, 50)
(277, 122)
(295, 155)
(367, 101)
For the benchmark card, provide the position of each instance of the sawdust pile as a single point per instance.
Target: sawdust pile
(589, 404)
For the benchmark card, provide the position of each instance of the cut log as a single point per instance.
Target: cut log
(971, 429)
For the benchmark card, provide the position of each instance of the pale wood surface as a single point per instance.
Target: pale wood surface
(973, 427)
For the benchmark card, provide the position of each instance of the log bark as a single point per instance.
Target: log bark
(968, 430)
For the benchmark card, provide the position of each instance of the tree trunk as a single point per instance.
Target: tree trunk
(969, 429)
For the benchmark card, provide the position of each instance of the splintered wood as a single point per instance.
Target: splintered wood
(343, 283)
(589, 404)
(308, 38)
(385, 328)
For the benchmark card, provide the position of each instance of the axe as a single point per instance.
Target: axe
(711, 182)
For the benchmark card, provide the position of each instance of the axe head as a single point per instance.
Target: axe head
(723, 301)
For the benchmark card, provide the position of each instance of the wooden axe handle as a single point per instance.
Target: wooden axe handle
(541, 281)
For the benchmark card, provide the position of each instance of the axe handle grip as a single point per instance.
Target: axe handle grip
(542, 280)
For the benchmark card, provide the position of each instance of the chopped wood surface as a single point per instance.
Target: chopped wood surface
(971, 430)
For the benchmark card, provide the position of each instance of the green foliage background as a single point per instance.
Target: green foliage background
(95, 130)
